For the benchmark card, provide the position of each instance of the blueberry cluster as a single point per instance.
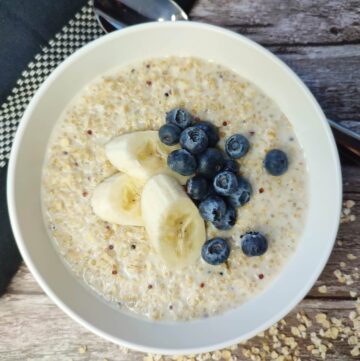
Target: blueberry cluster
(215, 184)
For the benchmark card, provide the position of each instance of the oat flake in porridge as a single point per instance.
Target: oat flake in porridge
(118, 262)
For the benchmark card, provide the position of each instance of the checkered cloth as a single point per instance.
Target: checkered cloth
(82, 29)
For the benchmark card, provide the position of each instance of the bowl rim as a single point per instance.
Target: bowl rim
(21, 243)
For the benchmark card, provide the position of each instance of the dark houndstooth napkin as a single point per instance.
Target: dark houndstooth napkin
(78, 32)
(25, 26)
(82, 29)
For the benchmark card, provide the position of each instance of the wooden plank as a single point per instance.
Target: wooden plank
(33, 328)
(304, 22)
(41, 331)
(332, 73)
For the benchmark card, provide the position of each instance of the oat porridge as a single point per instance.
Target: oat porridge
(117, 207)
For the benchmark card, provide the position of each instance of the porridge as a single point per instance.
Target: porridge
(143, 251)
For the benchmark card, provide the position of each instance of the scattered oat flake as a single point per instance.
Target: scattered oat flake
(337, 273)
(332, 332)
(216, 355)
(355, 351)
(349, 203)
(336, 321)
(320, 317)
(352, 315)
(340, 276)
(273, 330)
(295, 331)
(353, 294)
(353, 340)
(351, 257)
(226, 355)
(82, 349)
(322, 289)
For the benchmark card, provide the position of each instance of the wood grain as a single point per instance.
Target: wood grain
(33, 328)
(332, 74)
(291, 22)
(320, 40)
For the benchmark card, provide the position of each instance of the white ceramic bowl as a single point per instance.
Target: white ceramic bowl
(250, 61)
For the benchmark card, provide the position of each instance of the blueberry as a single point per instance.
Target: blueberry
(242, 194)
(210, 162)
(228, 221)
(254, 244)
(182, 162)
(197, 188)
(169, 134)
(213, 208)
(276, 162)
(211, 131)
(231, 165)
(236, 146)
(194, 140)
(180, 117)
(215, 251)
(225, 183)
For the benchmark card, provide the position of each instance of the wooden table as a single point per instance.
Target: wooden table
(320, 40)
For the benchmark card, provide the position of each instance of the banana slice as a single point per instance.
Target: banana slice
(172, 221)
(117, 200)
(141, 155)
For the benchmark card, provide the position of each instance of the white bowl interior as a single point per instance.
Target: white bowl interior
(250, 61)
